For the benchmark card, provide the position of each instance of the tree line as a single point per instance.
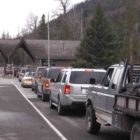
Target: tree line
(108, 30)
(108, 40)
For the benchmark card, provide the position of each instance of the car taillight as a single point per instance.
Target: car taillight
(46, 84)
(67, 89)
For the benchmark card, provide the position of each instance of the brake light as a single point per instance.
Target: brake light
(67, 89)
(46, 84)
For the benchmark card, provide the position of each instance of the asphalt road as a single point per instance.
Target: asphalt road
(20, 121)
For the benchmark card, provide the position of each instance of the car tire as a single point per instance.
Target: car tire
(60, 108)
(51, 104)
(135, 132)
(32, 88)
(44, 96)
(36, 88)
(93, 127)
(37, 93)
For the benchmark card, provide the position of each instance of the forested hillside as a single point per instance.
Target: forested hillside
(123, 15)
(72, 25)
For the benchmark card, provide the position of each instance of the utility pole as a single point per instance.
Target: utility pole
(135, 33)
(48, 42)
(81, 23)
(131, 50)
(18, 32)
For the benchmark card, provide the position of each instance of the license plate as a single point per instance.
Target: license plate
(84, 91)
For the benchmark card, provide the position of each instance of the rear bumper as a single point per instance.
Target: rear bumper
(74, 102)
(46, 91)
(27, 84)
(78, 105)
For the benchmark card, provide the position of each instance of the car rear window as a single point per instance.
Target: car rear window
(23, 71)
(83, 77)
(30, 70)
(29, 74)
(53, 73)
(41, 70)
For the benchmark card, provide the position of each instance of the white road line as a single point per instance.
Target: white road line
(45, 119)
(3, 86)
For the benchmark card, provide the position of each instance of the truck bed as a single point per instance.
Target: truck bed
(128, 104)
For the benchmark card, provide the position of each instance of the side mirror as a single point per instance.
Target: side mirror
(92, 81)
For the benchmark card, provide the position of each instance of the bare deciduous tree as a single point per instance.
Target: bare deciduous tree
(6, 35)
(23, 32)
(64, 5)
(74, 22)
(32, 22)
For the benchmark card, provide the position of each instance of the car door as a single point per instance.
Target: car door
(102, 92)
(56, 87)
(42, 77)
(113, 88)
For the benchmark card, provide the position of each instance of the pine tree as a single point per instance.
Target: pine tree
(98, 47)
(43, 28)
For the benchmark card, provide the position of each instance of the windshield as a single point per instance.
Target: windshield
(29, 74)
(83, 77)
(41, 70)
(30, 70)
(53, 73)
(23, 71)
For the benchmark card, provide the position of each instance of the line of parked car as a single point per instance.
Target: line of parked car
(110, 97)
(64, 88)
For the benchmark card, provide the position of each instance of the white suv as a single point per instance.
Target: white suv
(69, 89)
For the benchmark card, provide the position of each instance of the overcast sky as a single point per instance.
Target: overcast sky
(13, 13)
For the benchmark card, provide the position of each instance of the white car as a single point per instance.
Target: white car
(27, 79)
(70, 88)
(21, 74)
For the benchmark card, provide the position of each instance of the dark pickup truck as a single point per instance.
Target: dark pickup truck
(116, 101)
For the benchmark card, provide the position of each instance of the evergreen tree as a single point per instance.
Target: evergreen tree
(99, 46)
(43, 28)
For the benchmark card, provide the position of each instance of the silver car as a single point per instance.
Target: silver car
(69, 89)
